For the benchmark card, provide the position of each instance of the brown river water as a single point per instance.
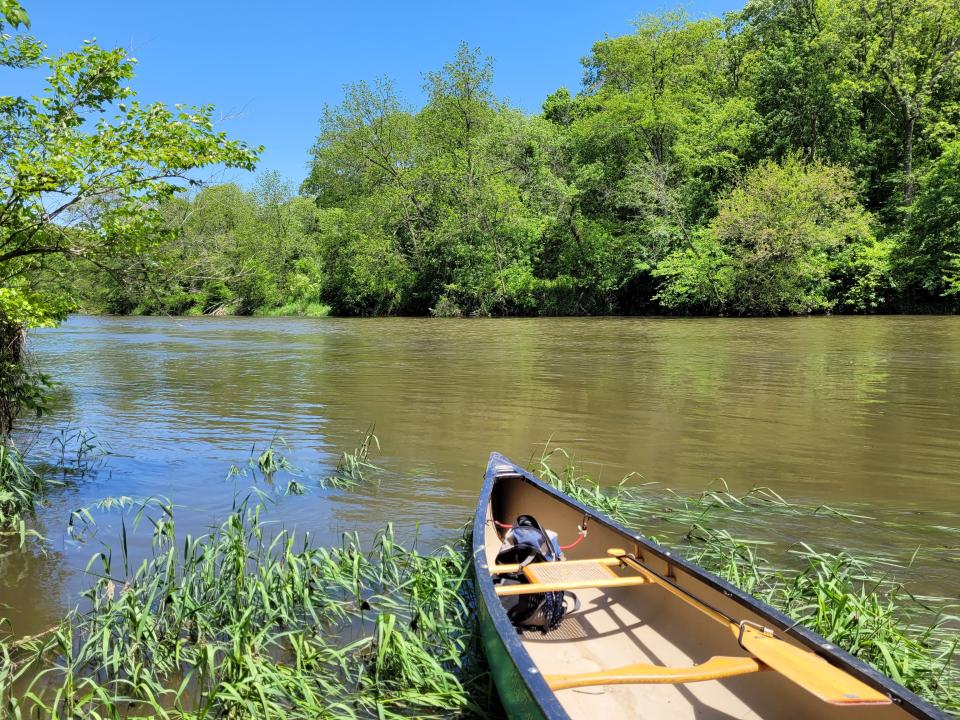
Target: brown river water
(860, 413)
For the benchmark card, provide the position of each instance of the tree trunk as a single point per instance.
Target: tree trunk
(908, 160)
(11, 375)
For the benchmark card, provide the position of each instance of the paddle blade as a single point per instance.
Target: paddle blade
(809, 671)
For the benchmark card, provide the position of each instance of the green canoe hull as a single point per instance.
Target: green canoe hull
(514, 693)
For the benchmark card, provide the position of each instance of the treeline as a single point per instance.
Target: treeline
(223, 251)
(797, 156)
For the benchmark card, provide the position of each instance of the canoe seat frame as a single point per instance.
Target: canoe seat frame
(602, 577)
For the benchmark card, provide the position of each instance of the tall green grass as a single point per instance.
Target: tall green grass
(254, 621)
(76, 452)
(356, 468)
(297, 309)
(21, 489)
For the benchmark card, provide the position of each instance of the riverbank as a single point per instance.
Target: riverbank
(292, 309)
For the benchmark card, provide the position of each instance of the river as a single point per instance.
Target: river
(859, 412)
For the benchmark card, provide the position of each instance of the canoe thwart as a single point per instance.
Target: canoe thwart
(716, 668)
(532, 588)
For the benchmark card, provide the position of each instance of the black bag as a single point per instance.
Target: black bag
(524, 543)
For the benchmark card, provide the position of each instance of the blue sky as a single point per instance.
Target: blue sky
(270, 67)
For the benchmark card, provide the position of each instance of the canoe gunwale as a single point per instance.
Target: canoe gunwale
(541, 693)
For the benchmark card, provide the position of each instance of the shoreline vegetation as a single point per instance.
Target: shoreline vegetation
(254, 620)
(787, 158)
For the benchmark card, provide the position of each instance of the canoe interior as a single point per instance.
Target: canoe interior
(621, 626)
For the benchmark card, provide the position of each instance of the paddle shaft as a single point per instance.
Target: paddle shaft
(688, 597)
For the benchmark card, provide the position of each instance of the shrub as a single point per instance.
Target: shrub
(774, 244)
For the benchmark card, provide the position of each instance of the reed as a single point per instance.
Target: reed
(355, 468)
(253, 621)
(21, 489)
(74, 453)
(635, 502)
(77, 452)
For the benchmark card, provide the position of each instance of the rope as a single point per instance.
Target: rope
(581, 532)
(580, 537)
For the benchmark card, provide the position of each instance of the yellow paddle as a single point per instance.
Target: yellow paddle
(808, 670)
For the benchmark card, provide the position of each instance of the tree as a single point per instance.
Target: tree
(225, 250)
(477, 230)
(84, 168)
(366, 145)
(439, 209)
(658, 131)
(929, 257)
(774, 245)
(913, 50)
(799, 61)
(365, 172)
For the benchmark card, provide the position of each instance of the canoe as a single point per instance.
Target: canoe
(655, 636)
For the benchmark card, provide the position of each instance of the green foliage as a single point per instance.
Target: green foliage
(800, 65)
(863, 277)
(21, 489)
(13, 14)
(354, 467)
(228, 251)
(297, 309)
(431, 210)
(912, 55)
(23, 392)
(254, 621)
(364, 273)
(929, 255)
(712, 166)
(841, 597)
(623, 198)
(773, 244)
(84, 169)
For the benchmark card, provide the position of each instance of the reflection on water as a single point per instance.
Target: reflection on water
(842, 411)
